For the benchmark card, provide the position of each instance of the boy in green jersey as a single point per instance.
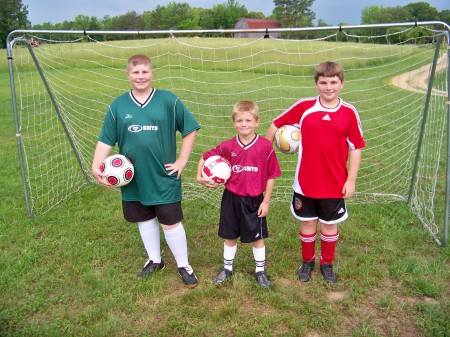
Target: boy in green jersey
(143, 123)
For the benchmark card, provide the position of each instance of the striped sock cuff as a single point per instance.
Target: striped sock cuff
(308, 237)
(329, 238)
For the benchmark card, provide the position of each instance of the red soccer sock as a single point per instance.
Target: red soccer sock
(328, 247)
(308, 246)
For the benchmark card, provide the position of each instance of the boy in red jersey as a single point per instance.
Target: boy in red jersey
(246, 197)
(331, 135)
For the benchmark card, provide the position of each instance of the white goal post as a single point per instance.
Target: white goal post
(396, 75)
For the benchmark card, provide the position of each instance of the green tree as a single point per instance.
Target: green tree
(293, 14)
(206, 20)
(227, 14)
(220, 16)
(255, 15)
(190, 20)
(375, 14)
(106, 22)
(148, 19)
(419, 11)
(170, 16)
(444, 16)
(380, 14)
(13, 15)
(422, 11)
(399, 14)
(128, 21)
(322, 23)
(81, 22)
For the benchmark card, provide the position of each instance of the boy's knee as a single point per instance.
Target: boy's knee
(308, 227)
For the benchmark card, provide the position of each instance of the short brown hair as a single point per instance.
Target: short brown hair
(329, 69)
(246, 106)
(139, 59)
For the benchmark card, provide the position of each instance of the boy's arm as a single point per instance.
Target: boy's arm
(264, 207)
(101, 152)
(187, 144)
(199, 170)
(353, 166)
(199, 177)
(271, 132)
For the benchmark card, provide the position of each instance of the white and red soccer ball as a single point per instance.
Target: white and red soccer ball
(217, 169)
(119, 170)
(287, 139)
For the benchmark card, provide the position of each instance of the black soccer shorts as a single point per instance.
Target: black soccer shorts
(327, 210)
(167, 214)
(239, 218)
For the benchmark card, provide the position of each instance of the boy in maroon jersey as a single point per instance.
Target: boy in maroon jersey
(331, 135)
(246, 197)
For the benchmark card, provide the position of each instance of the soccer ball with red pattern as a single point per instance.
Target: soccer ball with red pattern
(119, 170)
(217, 169)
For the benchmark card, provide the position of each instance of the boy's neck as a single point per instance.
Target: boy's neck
(247, 139)
(142, 95)
(330, 104)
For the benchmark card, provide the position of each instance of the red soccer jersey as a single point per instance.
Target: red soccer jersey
(252, 164)
(326, 137)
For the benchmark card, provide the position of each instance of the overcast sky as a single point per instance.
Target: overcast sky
(332, 12)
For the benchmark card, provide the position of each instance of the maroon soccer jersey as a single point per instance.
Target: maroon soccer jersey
(252, 164)
(326, 137)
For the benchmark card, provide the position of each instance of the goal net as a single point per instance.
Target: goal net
(62, 84)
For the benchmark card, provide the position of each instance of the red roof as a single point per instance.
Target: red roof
(261, 23)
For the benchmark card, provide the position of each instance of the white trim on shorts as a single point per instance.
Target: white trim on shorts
(333, 222)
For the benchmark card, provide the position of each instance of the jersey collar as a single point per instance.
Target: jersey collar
(144, 104)
(246, 146)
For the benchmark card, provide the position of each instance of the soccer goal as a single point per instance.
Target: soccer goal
(396, 75)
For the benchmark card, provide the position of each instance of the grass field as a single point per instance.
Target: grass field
(72, 271)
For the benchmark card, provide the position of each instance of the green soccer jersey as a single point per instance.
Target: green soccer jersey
(146, 134)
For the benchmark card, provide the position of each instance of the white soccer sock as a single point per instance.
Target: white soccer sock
(177, 242)
(260, 258)
(228, 256)
(149, 231)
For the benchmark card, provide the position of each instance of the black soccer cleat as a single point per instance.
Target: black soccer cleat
(262, 279)
(188, 277)
(304, 272)
(328, 273)
(222, 276)
(150, 267)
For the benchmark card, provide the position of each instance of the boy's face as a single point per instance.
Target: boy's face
(329, 89)
(140, 76)
(245, 124)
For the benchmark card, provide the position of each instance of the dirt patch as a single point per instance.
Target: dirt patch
(417, 80)
(337, 296)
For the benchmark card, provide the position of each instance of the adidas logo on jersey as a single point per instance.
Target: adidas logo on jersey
(128, 116)
(341, 211)
(326, 118)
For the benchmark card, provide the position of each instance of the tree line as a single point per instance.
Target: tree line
(181, 16)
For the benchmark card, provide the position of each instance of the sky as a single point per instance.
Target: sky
(333, 12)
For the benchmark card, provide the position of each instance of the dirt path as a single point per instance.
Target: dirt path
(417, 80)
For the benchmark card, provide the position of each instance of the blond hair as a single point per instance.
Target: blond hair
(329, 69)
(139, 59)
(246, 106)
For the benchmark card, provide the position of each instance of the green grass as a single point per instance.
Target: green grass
(71, 272)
